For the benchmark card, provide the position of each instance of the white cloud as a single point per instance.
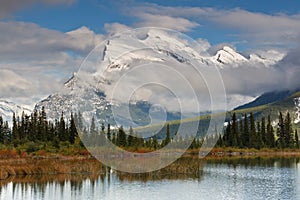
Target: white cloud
(42, 57)
(12, 84)
(8, 6)
(264, 29)
(26, 41)
(165, 21)
(204, 45)
(83, 39)
(112, 28)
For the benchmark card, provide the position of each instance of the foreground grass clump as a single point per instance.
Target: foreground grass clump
(59, 165)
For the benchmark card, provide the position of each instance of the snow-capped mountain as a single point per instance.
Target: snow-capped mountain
(7, 108)
(126, 51)
(227, 55)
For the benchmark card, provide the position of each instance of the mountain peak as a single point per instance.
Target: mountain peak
(227, 55)
(228, 49)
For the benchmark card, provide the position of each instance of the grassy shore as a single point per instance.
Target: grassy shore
(49, 165)
(229, 151)
(41, 163)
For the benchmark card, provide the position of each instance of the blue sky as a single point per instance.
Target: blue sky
(44, 41)
(95, 13)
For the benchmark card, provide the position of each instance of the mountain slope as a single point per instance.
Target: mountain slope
(266, 98)
(7, 108)
(272, 103)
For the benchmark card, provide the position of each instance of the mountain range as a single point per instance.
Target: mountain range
(163, 47)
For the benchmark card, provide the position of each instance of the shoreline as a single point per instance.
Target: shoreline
(74, 164)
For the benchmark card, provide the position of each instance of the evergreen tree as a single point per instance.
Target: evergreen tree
(227, 138)
(114, 139)
(93, 133)
(219, 142)
(259, 142)
(108, 132)
(270, 139)
(296, 139)
(1, 130)
(130, 137)
(263, 131)
(288, 130)
(121, 138)
(241, 130)
(6, 133)
(34, 125)
(62, 129)
(154, 142)
(252, 135)
(280, 132)
(245, 135)
(72, 130)
(21, 128)
(167, 139)
(234, 132)
(15, 132)
(79, 121)
(42, 126)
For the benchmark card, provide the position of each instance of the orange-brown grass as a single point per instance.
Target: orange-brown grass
(40, 165)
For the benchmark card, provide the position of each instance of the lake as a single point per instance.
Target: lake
(230, 178)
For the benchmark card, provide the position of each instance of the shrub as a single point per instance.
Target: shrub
(32, 147)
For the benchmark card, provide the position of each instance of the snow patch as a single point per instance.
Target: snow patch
(297, 105)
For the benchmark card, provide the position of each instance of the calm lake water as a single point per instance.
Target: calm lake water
(276, 178)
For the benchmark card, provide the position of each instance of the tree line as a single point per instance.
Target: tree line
(36, 128)
(248, 133)
(239, 133)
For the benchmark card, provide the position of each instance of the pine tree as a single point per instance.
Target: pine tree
(93, 133)
(219, 142)
(263, 131)
(227, 135)
(121, 138)
(130, 137)
(167, 140)
(21, 129)
(2, 134)
(288, 130)
(1, 130)
(108, 132)
(114, 139)
(34, 125)
(270, 139)
(15, 132)
(62, 129)
(280, 132)
(79, 121)
(235, 132)
(245, 137)
(259, 142)
(252, 135)
(154, 142)
(72, 130)
(241, 130)
(42, 126)
(296, 139)
(6, 133)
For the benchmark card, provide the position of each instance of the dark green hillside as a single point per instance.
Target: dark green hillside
(266, 98)
(284, 105)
